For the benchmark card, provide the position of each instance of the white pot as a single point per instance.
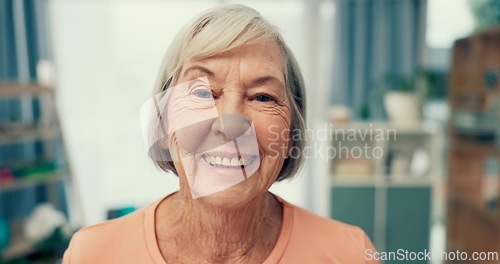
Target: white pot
(402, 108)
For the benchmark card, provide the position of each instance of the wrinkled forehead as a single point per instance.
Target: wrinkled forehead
(264, 51)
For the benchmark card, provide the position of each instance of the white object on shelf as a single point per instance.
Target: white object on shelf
(400, 166)
(420, 163)
(45, 73)
(43, 221)
(339, 114)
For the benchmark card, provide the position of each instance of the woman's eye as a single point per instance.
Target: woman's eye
(264, 98)
(203, 93)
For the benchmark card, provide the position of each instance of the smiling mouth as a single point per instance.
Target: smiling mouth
(231, 163)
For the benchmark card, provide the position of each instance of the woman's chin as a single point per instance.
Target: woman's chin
(234, 197)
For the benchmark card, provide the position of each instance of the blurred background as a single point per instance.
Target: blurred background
(403, 105)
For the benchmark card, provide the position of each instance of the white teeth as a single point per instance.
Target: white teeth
(228, 162)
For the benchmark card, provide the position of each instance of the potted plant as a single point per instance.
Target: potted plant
(403, 95)
(402, 98)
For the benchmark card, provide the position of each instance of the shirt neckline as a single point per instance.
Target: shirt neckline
(274, 257)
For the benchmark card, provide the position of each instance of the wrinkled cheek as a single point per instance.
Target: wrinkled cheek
(190, 124)
(191, 137)
(273, 139)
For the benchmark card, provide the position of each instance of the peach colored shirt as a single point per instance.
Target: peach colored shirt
(304, 238)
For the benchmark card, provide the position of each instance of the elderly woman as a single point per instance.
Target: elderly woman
(228, 90)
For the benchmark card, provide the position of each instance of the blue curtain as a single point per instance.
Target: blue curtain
(23, 38)
(374, 38)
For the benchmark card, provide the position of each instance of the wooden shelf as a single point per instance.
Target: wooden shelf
(472, 227)
(11, 89)
(460, 143)
(405, 129)
(411, 180)
(480, 210)
(354, 180)
(25, 134)
(18, 184)
(33, 121)
(400, 181)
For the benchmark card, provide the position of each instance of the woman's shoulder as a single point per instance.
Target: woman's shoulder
(305, 219)
(113, 226)
(320, 226)
(327, 240)
(109, 239)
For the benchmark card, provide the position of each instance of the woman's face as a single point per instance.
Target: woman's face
(226, 120)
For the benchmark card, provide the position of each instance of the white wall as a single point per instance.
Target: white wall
(107, 55)
(443, 29)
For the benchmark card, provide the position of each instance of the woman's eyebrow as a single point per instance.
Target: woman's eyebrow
(199, 68)
(256, 82)
(266, 80)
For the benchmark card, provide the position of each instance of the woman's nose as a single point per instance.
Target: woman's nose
(231, 122)
(231, 126)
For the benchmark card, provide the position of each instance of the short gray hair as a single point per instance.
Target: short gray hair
(219, 30)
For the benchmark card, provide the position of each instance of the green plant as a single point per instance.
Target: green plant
(393, 82)
(398, 83)
(425, 83)
(486, 13)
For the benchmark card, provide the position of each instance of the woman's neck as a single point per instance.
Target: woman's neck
(196, 231)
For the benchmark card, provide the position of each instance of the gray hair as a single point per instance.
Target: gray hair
(219, 30)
